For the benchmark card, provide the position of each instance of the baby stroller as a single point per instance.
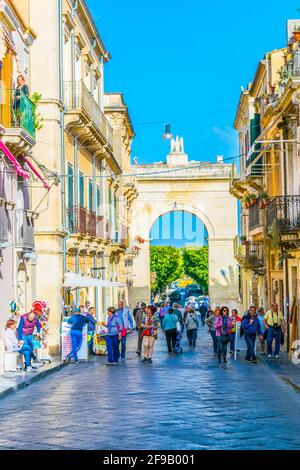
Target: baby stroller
(178, 347)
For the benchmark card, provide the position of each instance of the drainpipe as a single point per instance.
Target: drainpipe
(62, 126)
(286, 262)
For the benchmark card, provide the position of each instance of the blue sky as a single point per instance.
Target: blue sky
(178, 229)
(174, 59)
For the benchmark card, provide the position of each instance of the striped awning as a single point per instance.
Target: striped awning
(18, 168)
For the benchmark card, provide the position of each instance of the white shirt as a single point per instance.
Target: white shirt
(11, 340)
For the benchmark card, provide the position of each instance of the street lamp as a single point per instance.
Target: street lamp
(167, 135)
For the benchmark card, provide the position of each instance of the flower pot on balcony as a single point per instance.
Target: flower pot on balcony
(262, 204)
(245, 242)
(296, 36)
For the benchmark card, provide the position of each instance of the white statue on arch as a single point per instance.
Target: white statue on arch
(177, 145)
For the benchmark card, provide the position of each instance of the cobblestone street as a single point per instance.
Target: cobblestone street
(182, 402)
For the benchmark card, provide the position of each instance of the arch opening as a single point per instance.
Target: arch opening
(178, 255)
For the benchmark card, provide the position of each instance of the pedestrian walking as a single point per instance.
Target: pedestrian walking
(223, 326)
(210, 322)
(192, 325)
(203, 310)
(77, 322)
(235, 318)
(13, 345)
(27, 324)
(261, 315)
(135, 310)
(91, 328)
(138, 321)
(150, 323)
(114, 327)
(251, 328)
(275, 326)
(178, 312)
(170, 328)
(85, 307)
(209, 312)
(164, 308)
(128, 325)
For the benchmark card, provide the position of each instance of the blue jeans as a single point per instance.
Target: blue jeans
(123, 346)
(76, 338)
(274, 333)
(26, 351)
(112, 346)
(91, 342)
(28, 340)
(192, 336)
(222, 347)
(215, 341)
(250, 341)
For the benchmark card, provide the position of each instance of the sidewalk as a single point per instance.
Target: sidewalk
(11, 382)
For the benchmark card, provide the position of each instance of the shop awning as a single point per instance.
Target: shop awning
(37, 174)
(19, 170)
(74, 281)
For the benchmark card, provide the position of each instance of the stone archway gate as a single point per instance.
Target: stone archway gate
(203, 190)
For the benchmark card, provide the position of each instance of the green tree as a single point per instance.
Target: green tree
(167, 263)
(196, 265)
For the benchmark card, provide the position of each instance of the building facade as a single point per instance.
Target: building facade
(18, 171)
(267, 182)
(85, 140)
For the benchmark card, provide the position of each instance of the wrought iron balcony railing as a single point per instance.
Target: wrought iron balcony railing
(254, 217)
(17, 111)
(78, 98)
(285, 211)
(250, 255)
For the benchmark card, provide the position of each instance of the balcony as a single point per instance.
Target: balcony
(255, 218)
(24, 231)
(245, 180)
(18, 118)
(77, 220)
(250, 255)
(290, 71)
(84, 116)
(285, 212)
(87, 223)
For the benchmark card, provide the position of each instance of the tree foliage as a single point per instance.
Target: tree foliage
(196, 265)
(167, 263)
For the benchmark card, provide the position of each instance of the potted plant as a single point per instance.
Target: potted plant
(247, 202)
(244, 240)
(253, 199)
(263, 200)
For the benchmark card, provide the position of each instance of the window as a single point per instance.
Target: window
(81, 189)
(98, 200)
(70, 201)
(90, 195)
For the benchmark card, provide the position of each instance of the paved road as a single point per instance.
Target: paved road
(186, 402)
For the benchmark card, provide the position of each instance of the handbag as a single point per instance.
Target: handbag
(123, 332)
(225, 339)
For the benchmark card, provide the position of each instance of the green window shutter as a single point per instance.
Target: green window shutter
(254, 128)
(81, 189)
(90, 195)
(98, 200)
(70, 186)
